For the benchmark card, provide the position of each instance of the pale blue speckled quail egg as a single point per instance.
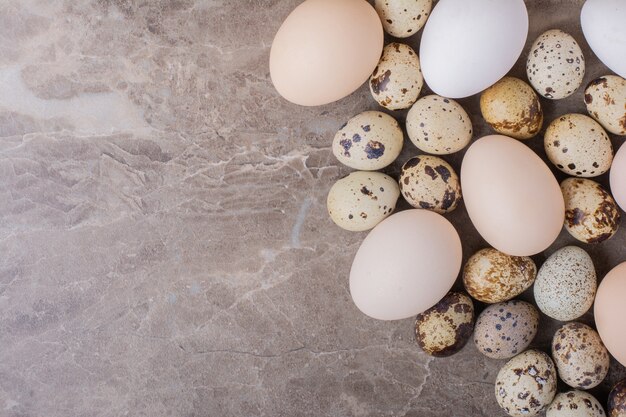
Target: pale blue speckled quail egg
(575, 404)
(403, 18)
(397, 80)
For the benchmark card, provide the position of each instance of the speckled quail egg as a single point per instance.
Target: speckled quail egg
(512, 108)
(566, 284)
(397, 80)
(575, 404)
(403, 18)
(526, 384)
(430, 183)
(555, 65)
(369, 141)
(578, 146)
(605, 98)
(438, 125)
(591, 214)
(505, 329)
(579, 355)
(616, 404)
(445, 328)
(491, 276)
(362, 200)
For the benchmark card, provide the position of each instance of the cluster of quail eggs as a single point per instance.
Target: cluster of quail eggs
(564, 287)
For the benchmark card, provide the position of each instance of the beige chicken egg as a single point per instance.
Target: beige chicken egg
(429, 182)
(526, 384)
(438, 125)
(575, 404)
(369, 141)
(579, 355)
(361, 200)
(578, 146)
(403, 18)
(445, 328)
(491, 276)
(512, 108)
(397, 80)
(591, 214)
(605, 98)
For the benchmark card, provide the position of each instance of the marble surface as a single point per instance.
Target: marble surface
(165, 247)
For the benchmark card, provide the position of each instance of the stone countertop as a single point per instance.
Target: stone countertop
(165, 245)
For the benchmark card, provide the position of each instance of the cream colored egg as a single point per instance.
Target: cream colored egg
(575, 404)
(605, 98)
(429, 182)
(526, 384)
(579, 355)
(369, 141)
(578, 146)
(591, 214)
(555, 65)
(512, 108)
(491, 276)
(362, 200)
(397, 80)
(403, 18)
(438, 125)
(566, 284)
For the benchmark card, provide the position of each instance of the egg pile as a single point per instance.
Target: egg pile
(410, 260)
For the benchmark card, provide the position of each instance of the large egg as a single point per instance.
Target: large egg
(609, 311)
(468, 45)
(511, 196)
(618, 177)
(602, 22)
(325, 50)
(405, 265)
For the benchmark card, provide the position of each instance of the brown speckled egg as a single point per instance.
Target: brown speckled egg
(555, 65)
(617, 400)
(397, 80)
(369, 141)
(491, 276)
(526, 384)
(444, 329)
(505, 329)
(605, 98)
(578, 146)
(438, 125)
(403, 18)
(512, 108)
(429, 182)
(575, 404)
(580, 357)
(591, 214)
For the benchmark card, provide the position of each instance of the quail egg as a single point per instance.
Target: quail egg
(429, 182)
(397, 80)
(605, 98)
(616, 405)
(403, 18)
(575, 404)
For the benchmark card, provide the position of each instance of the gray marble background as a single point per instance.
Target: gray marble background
(164, 243)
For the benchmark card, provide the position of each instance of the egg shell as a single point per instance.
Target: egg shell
(578, 146)
(609, 311)
(591, 214)
(325, 50)
(526, 384)
(369, 141)
(403, 18)
(405, 265)
(429, 182)
(617, 177)
(511, 196)
(438, 125)
(575, 404)
(492, 276)
(512, 108)
(602, 22)
(566, 284)
(555, 65)
(361, 200)
(467, 46)
(445, 328)
(605, 98)
(505, 329)
(616, 404)
(579, 355)
(397, 80)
